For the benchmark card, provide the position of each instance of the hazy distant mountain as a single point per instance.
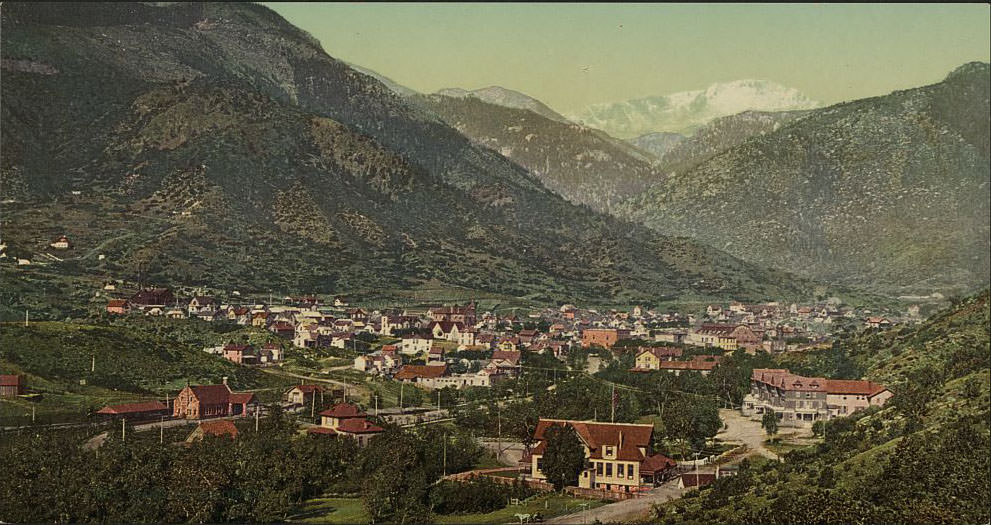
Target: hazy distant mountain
(657, 144)
(216, 144)
(686, 111)
(506, 98)
(582, 164)
(891, 192)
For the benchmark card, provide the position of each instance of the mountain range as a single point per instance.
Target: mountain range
(216, 144)
(890, 192)
(582, 164)
(686, 111)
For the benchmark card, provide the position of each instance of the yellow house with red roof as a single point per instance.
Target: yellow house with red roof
(618, 456)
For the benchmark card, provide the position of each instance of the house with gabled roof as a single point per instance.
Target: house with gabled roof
(650, 358)
(347, 419)
(418, 373)
(618, 455)
(206, 401)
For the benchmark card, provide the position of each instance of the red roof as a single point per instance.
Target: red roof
(241, 398)
(447, 326)
(656, 463)
(117, 303)
(10, 380)
(699, 362)
(662, 352)
(358, 426)
(343, 411)
(700, 479)
(133, 408)
(860, 388)
(595, 435)
(211, 394)
(507, 355)
(425, 371)
(321, 430)
(785, 380)
(220, 427)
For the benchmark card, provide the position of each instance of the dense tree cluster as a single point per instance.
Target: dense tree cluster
(258, 477)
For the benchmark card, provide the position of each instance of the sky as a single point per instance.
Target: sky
(572, 55)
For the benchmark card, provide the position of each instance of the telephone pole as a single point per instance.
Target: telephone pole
(123, 430)
(612, 404)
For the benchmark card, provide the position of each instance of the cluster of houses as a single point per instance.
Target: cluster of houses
(800, 401)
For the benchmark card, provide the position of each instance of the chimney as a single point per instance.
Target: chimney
(224, 380)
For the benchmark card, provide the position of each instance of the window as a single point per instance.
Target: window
(620, 469)
(609, 451)
(598, 468)
(608, 469)
(629, 472)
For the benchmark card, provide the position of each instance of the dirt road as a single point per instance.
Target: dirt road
(741, 429)
(624, 510)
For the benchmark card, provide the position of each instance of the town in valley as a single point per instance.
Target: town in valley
(495, 263)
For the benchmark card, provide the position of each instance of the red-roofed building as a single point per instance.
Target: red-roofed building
(801, 401)
(604, 337)
(11, 385)
(618, 454)
(135, 411)
(414, 373)
(704, 364)
(118, 306)
(153, 297)
(205, 401)
(218, 428)
(651, 358)
(346, 419)
(304, 394)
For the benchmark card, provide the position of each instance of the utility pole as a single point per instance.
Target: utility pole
(696, 471)
(612, 404)
(26, 316)
(498, 430)
(256, 418)
(32, 415)
(313, 406)
(401, 385)
(122, 428)
(161, 431)
(376, 404)
(92, 367)
(438, 400)
(445, 455)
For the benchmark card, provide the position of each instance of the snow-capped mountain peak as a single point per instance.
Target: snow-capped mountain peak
(686, 111)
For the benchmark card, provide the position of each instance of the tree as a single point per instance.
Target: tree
(770, 422)
(564, 456)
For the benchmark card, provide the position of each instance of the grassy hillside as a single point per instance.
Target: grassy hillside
(137, 359)
(923, 458)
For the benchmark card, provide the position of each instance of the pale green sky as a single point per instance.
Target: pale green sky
(830, 52)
